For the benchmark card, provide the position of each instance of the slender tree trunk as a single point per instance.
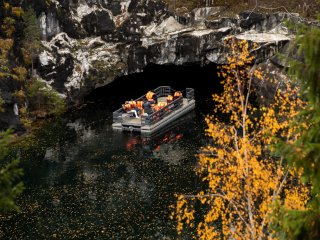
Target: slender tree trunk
(32, 73)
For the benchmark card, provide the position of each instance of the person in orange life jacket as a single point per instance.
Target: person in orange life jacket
(151, 97)
(129, 107)
(176, 95)
(126, 107)
(169, 99)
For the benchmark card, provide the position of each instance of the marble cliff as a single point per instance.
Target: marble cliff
(89, 43)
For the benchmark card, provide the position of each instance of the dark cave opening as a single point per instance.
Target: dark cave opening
(203, 79)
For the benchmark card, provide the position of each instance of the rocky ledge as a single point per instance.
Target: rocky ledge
(90, 43)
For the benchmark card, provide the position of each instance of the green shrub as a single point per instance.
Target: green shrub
(43, 101)
(10, 173)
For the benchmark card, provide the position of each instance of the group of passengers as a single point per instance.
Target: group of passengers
(149, 105)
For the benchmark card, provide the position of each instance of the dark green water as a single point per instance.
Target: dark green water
(85, 181)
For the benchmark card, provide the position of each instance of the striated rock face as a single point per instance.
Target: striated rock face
(74, 66)
(49, 24)
(90, 43)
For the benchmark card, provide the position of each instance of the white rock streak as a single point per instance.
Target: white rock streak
(263, 37)
(84, 53)
(165, 27)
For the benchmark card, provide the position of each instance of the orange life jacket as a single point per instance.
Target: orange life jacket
(177, 94)
(127, 106)
(162, 104)
(149, 95)
(139, 104)
(132, 104)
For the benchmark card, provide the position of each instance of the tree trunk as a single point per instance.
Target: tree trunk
(32, 74)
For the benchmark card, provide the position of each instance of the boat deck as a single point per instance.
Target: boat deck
(127, 118)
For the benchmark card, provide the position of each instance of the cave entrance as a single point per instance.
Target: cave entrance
(203, 79)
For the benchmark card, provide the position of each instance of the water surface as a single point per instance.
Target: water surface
(85, 181)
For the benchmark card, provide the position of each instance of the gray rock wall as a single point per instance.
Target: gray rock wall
(90, 43)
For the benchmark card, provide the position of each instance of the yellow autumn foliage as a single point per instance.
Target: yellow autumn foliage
(17, 11)
(243, 179)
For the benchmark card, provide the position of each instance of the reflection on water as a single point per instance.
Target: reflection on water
(86, 181)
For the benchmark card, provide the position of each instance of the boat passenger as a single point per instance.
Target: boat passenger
(139, 104)
(169, 99)
(128, 108)
(177, 94)
(151, 97)
(133, 104)
(147, 107)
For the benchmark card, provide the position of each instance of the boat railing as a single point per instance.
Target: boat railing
(161, 113)
(190, 93)
(162, 91)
